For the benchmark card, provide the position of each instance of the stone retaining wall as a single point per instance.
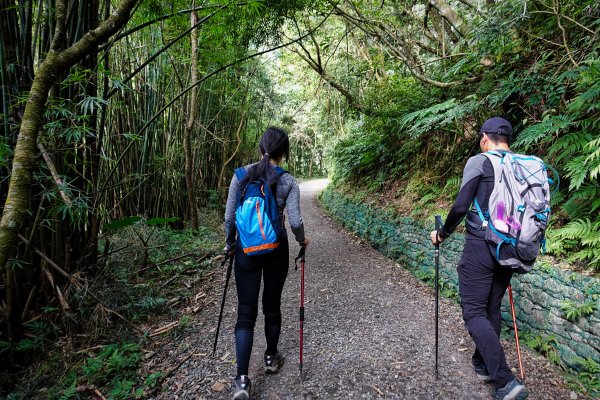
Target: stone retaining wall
(538, 295)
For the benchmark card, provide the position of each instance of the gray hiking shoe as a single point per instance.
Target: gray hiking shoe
(481, 370)
(241, 388)
(273, 363)
(513, 390)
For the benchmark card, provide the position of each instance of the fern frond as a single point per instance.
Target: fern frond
(593, 159)
(586, 101)
(452, 186)
(438, 115)
(590, 255)
(583, 201)
(568, 145)
(535, 133)
(578, 229)
(577, 171)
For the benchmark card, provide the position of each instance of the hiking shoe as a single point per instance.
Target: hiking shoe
(514, 389)
(242, 388)
(273, 363)
(481, 370)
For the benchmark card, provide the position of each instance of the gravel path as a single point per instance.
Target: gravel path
(369, 333)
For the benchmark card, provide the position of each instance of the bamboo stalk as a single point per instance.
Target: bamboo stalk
(63, 304)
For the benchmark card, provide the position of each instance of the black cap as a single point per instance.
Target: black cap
(497, 125)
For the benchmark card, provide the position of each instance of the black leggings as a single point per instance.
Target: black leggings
(273, 267)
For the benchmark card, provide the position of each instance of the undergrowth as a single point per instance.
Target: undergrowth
(101, 352)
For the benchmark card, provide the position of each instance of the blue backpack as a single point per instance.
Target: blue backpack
(257, 218)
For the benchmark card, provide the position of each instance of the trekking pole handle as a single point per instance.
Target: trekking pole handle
(301, 256)
(438, 223)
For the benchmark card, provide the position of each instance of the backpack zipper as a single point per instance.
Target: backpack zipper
(260, 221)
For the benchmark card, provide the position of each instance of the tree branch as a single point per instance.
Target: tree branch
(165, 48)
(59, 29)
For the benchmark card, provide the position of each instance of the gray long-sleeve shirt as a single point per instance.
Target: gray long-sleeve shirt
(288, 197)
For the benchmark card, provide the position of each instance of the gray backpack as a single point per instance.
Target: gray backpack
(519, 209)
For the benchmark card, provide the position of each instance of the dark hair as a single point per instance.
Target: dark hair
(503, 134)
(273, 144)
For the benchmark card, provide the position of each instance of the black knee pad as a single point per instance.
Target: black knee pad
(246, 316)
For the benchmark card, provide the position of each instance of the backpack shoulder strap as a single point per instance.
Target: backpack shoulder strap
(280, 171)
(495, 156)
(240, 173)
(497, 160)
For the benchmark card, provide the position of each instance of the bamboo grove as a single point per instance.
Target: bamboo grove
(118, 110)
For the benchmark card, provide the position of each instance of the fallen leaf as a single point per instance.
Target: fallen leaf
(218, 386)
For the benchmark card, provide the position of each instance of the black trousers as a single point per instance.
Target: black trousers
(482, 284)
(272, 268)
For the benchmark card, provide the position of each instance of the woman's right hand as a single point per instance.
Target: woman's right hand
(228, 251)
(304, 243)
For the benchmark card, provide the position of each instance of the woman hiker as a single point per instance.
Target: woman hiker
(271, 266)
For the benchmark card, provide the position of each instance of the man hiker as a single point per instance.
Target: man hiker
(482, 281)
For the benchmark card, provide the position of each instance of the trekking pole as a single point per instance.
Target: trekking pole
(229, 268)
(514, 317)
(438, 227)
(301, 257)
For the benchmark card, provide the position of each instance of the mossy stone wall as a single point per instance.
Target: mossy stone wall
(538, 294)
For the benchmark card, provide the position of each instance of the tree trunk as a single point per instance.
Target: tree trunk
(187, 134)
(56, 61)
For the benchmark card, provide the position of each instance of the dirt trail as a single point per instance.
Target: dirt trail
(369, 333)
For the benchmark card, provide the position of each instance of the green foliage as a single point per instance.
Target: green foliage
(114, 367)
(583, 236)
(38, 332)
(545, 345)
(357, 153)
(123, 223)
(153, 379)
(452, 186)
(573, 311)
(587, 379)
(112, 360)
(590, 373)
(551, 99)
(533, 134)
(447, 288)
(70, 392)
(439, 115)
(5, 152)
(160, 221)
(91, 104)
(545, 265)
